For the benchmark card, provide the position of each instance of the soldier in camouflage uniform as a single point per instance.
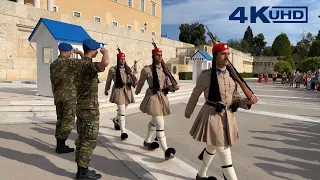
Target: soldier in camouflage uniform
(64, 92)
(88, 107)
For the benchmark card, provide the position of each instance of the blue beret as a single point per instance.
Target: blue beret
(91, 44)
(65, 46)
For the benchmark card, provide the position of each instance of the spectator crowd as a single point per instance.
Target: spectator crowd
(307, 80)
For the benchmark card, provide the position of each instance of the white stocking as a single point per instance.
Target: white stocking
(122, 115)
(207, 158)
(151, 130)
(224, 154)
(160, 132)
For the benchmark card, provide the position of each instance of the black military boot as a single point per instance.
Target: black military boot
(62, 148)
(85, 173)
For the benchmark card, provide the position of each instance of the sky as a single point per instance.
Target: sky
(215, 15)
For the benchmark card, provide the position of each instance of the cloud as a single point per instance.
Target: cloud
(215, 14)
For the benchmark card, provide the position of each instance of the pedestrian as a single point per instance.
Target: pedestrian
(121, 93)
(260, 78)
(155, 102)
(284, 78)
(266, 77)
(64, 92)
(88, 107)
(274, 77)
(216, 123)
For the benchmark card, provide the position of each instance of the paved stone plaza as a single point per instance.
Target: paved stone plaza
(279, 138)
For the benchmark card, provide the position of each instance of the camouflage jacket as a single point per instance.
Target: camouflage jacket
(87, 85)
(62, 76)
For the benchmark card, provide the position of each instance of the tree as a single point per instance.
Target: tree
(318, 36)
(312, 63)
(239, 45)
(192, 34)
(314, 49)
(259, 44)
(281, 46)
(267, 51)
(282, 66)
(249, 40)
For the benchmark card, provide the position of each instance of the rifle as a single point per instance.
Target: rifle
(129, 72)
(165, 68)
(135, 63)
(245, 88)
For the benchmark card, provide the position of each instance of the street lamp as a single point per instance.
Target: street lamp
(145, 27)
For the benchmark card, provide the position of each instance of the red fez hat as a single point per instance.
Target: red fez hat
(220, 47)
(156, 50)
(121, 55)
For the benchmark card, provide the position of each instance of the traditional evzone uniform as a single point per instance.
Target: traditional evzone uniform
(121, 94)
(216, 123)
(156, 103)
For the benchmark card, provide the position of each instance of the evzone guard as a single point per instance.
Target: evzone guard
(216, 123)
(155, 102)
(121, 93)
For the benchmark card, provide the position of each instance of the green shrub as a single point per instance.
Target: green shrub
(185, 75)
(248, 75)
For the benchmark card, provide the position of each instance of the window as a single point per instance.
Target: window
(142, 5)
(76, 14)
(130, 3)
(55, 9)
(129, 27)
(97, 19)
(142, 30)
(153, 9)
(115, 23)
(153, 33)
(47, 55)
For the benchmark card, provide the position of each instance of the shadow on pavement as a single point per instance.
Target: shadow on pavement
(100, 163)
(304, 141)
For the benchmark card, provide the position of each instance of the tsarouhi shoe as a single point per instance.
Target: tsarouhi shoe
(169, 154)
(205, 178)
(116, 124)
(151, 146)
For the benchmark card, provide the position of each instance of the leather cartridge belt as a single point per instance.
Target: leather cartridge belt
(214, 104)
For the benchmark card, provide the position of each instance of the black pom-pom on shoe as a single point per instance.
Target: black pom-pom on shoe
(205, 178)
(151, 146)
(169, 154)
(124, 136)
(154, 145)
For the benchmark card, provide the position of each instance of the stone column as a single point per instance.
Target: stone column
(50, 5)
(36, 3)
(20, 1)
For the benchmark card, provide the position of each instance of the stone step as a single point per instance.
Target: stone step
(49, 111)
(29, 107)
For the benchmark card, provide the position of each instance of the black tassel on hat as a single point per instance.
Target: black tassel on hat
(119, 83)
(156, 85)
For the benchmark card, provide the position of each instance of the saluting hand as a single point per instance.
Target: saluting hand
(103, 50)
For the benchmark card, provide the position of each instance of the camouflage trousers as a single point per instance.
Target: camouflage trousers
(88, 128)
(65, 118)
